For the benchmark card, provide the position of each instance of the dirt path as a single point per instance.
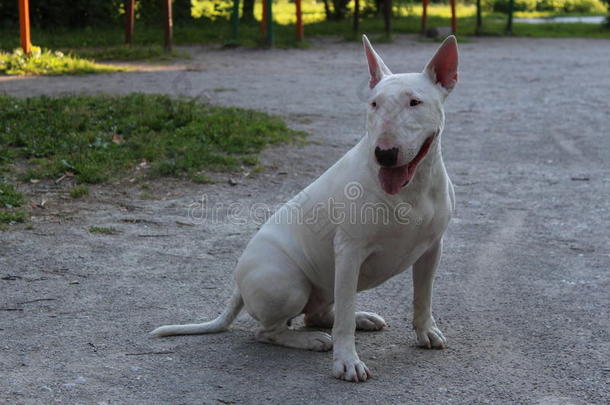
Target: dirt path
(522, 293)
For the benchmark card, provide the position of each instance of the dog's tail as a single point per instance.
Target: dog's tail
(219, 324)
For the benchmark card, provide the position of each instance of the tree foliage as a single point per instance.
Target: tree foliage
(50, 14)
(64, 13)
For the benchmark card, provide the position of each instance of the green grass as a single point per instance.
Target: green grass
(572, 30)
(9, 197)
(79, 191)
(201, 179)
(146, 195)
(99, 137)
(103, 231)
(13, 216)
(494, 25)
(9, 200)
(151, 53)
(46, 62)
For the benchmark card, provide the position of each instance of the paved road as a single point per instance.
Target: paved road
(521, 295)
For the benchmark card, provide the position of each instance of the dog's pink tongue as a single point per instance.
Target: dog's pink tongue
(392, 179)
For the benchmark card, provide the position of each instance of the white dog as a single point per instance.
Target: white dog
(382, 208)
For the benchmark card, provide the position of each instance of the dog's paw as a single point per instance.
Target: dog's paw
(369, 321)
(307, 340)
(429, 336)
(350, 369)
(320, 342)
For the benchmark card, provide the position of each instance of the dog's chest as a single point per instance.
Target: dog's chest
(396, 247)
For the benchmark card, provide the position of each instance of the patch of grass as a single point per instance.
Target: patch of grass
(466, 26)
(258, 169)
(79, 191)
(147, 195)
(250, 160)
(128, 53)
(222, 89)
(12, 216)
(547, 30)
(103, 230)
(201, 179)
(9, 199)
(46, 62)
(97, 137)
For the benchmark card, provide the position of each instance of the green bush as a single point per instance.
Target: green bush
(212, 9)
(547, 5)
(578, 6)
(558, 6)
(502, 6)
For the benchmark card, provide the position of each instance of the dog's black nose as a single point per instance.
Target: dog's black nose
(386, 157)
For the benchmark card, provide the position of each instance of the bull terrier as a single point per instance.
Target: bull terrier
(382, 208)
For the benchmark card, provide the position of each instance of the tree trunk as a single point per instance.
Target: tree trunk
(509, 22)
(327, 11)
(479, 25)
(339, 9)
(378, 7)
(130, 17)
(387, 17)
(356, 16)
(169, 25)
(247, 10)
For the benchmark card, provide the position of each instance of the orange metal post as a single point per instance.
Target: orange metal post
(424, 17)
(300, 33)
(24, 26)
(129, 20)
(453, 18)
(264, 18)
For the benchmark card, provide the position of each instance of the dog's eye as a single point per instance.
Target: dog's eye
(374, 104)
(414, 102)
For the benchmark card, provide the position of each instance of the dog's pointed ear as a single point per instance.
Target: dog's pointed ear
(443, 67)
(377, 68)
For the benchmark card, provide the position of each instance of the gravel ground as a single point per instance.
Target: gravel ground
(521, 294)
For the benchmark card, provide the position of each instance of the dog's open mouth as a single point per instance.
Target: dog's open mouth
(392, 179)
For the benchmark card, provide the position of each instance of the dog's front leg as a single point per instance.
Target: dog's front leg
(348, 259)
(428, 334)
